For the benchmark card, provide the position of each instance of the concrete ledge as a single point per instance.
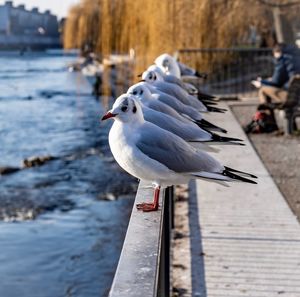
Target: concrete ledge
(138, 269)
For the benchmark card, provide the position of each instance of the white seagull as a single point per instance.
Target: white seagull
(185, 128)
(187, 131)
(173, 102)
(158, 156)
(160, 102)
(169, 64)
(157, 81)
(172, 89)
(191, 89)
(173, 67)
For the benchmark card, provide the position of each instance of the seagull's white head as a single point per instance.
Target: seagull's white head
(151, 76)
(168, 65)
(156, 69)
(140, 91)
(125, 109)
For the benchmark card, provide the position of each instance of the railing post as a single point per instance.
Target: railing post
(164, 281)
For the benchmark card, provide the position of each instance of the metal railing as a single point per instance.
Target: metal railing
(145, 260)
(230, 70)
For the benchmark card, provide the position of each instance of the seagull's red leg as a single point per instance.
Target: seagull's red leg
(150, 206)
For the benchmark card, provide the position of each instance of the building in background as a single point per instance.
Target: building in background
(27, 29)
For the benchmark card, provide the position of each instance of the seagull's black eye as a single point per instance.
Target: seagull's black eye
(134, 109)
(150, 76)
(141, 92)
(124, 108)
(134, 92)
(154, 77)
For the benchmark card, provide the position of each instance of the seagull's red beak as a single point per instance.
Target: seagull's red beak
(108, 115)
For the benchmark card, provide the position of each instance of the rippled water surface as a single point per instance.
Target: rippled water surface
(62, 223)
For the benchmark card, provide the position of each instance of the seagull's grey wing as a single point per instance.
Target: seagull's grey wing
(172, 151)
(162, 107)
(173, 90)
(185, 70)
(187, 131)
(165, 108)
(179, 106)
(181, 94)
(175, 80)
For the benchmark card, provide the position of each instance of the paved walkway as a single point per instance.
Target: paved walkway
(245, 241)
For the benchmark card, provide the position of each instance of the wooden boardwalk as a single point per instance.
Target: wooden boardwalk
(245, 241)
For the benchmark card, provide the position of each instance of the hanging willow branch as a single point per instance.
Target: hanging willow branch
(157, 26)
(280, 5)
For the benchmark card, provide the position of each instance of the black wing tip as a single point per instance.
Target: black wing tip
(200, 74)
(238, 171)
(216, 109)
(203, 96)
(208, 102)
(217, 137)
(206, 125)
(234, 176)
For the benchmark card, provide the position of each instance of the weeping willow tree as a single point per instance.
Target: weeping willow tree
(82, 26)
(157, 26)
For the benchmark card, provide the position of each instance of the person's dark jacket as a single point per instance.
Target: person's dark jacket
(283, 71)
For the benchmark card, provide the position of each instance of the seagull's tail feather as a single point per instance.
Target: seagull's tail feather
(216, 109)
(204, 96)
(200, 74)
(226, 175)
(212, 177)
(206, 124)
(208, 102)
(216, 137)
(234, 176)
(240, 172)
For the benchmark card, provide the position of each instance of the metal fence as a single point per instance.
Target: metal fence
(229, 70)
(145, 260)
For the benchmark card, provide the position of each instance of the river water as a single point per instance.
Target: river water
(62, 224)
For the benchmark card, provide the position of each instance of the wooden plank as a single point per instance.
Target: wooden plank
(250, 239)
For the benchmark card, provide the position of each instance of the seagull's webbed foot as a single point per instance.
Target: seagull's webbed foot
(147, 207)
(150, 206)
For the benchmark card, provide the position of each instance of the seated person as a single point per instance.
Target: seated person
(275, 89)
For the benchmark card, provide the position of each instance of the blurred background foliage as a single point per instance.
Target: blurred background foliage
(157, 26)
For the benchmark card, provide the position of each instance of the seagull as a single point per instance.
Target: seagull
(168, 63)
(176, 91)
(169, 105)
(158, 82)
(160, 157)
(188, 71)
(186, 130)
(189, 131)
(191, 89)
(173, 102)
(179, 125)
(171, 66)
